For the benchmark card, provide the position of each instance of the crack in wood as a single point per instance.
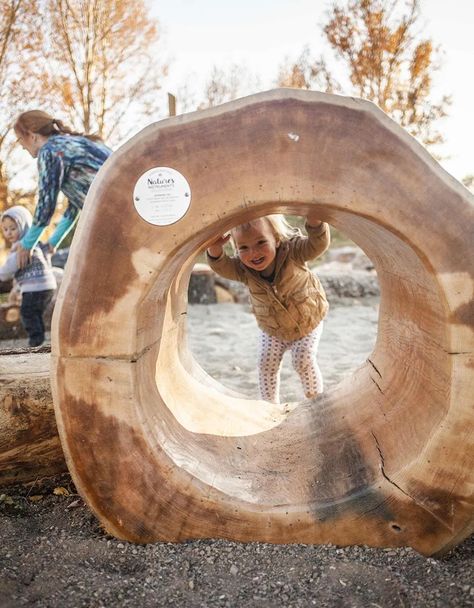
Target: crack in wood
(376, 384)
(373, 365)
(417, 502)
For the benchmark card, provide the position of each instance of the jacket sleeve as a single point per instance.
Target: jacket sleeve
(227, 267)
(65, 225)
(51, 175)
(311, 246)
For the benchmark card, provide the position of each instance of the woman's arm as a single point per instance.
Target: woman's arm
(51, 175)
(64, 226)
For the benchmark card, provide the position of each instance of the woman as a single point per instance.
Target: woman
(67, 162)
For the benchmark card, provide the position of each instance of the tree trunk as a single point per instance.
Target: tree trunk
(29, 441)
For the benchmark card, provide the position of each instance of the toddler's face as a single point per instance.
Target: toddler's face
(10, 230)
(256, 246)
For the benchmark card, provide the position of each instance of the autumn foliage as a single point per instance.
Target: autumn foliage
(98, 65)
(378, 44)
(106, 65)
(21, 72)
(94, 63)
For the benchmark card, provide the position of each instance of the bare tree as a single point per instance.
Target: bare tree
(307, 73)
(105, 63)
(227, 83)
(21, 77)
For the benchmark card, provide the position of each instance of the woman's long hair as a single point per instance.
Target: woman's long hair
(37, 121)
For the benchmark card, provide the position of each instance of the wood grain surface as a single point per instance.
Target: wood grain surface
(160, 451)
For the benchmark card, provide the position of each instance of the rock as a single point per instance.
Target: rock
(223, 295)
(238, 290)
(354, 284)
(347, 283)
(340, 279)
(201, 285)
(352, 255)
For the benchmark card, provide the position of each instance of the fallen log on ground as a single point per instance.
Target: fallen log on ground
(29, 441)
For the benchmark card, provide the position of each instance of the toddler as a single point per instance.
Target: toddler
(287, 299)
(36, 280)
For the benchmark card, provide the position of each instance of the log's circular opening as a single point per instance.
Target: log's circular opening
(377, 396)
(229, 352)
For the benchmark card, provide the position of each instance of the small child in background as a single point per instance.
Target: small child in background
(287, 299)
(36, 280)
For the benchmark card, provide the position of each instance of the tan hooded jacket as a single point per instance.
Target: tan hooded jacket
(294, 303)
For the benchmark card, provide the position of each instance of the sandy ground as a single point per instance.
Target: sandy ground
(53, 552)
(224, 339)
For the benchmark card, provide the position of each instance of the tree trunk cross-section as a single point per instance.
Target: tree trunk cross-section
(160, 451)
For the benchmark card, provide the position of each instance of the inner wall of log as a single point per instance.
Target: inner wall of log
(375, 406)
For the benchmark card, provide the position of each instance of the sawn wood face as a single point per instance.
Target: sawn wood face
(162, 452)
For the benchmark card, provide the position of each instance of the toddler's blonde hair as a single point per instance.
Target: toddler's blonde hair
(282, 230)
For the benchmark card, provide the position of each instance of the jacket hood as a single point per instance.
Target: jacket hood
(21, 216)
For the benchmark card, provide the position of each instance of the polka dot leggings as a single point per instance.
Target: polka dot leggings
(303, 355)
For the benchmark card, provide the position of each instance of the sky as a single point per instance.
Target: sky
(198, 34)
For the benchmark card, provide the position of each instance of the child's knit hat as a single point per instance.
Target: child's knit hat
(21, 216)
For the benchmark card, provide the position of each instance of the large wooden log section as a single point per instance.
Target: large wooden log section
(160, 451)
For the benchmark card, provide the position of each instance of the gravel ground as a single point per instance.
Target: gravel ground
(53, 553)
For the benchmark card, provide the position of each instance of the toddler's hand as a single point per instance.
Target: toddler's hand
(313, 220)
(220, 241)
(215, 248)
(23, 256)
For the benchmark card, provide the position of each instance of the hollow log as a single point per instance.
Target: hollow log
(158, 449)
(29, 443)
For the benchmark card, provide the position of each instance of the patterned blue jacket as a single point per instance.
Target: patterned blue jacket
(66, 163)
